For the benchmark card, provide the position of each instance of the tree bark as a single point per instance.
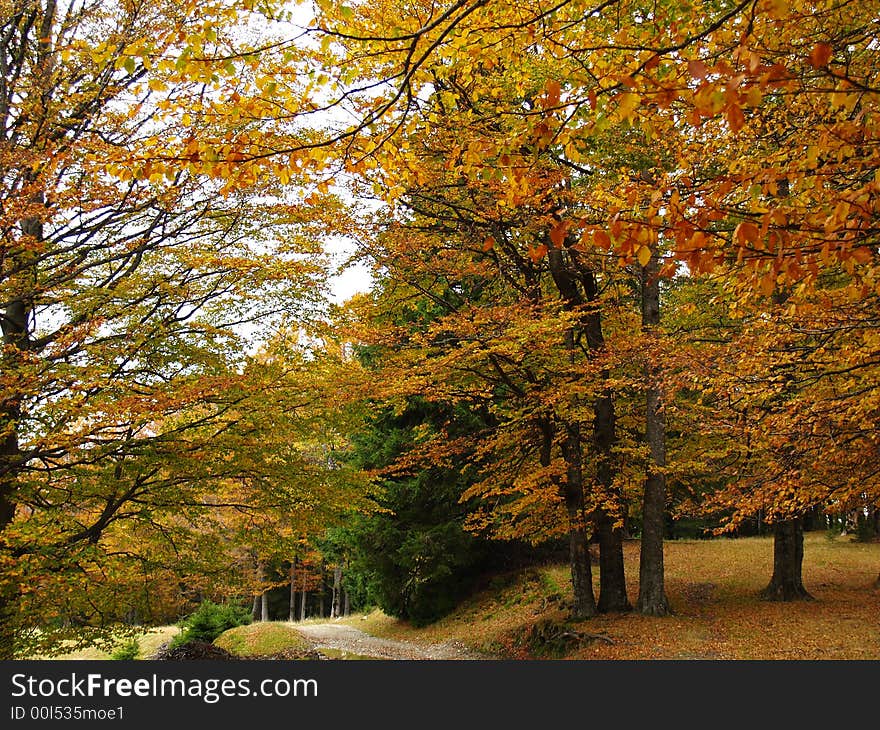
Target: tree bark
(612, 575)
(584, 605)
(577, 285)
(15, 322)
(652, 599)
(305, 596)
(572, 490)
(337, 586)
(788, 557)
(291, 615)
(265, 612)
(255, 607)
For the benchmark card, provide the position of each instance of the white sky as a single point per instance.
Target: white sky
(354, 279)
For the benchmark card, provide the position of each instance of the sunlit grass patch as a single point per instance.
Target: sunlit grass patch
(262, 638)
(148, 641)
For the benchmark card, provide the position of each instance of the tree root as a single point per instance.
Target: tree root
(584, 636)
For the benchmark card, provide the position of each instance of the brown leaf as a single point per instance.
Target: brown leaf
(697, 69)
(821, 55)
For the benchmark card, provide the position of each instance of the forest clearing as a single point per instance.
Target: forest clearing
(712, 586)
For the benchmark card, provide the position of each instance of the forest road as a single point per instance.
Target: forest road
(350, 640)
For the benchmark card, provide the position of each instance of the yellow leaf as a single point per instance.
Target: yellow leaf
(627, 105)
(778, 9)
(644, 255)
(754, 96)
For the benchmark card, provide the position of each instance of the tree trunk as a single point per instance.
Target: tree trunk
(570, 272)
(346, 603)
(255, 607)
(788, 557)
(265, 613)
(291, 615)
(652, 599)
(584, 605)
(15, 322)
(337, 586)
(814, 519)
(305, 597)
(612, 575)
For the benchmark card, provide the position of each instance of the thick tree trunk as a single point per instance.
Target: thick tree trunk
(570, 272)
(572, 491)
(255, 607)
(612, 575)
(788, 557)
(652, 599)
(584, 605)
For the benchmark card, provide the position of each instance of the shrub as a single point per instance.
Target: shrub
(128, 650)
(210, 620)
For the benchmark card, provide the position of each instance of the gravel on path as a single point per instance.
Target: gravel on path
(354, 641)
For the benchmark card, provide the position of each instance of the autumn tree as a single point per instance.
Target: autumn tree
(514, 315)
(139, 254)
(766, 111)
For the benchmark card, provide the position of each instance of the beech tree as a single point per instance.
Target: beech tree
(137, 258)
(761, 114)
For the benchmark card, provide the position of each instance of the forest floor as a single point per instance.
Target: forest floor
(712, 585)
(713, 588)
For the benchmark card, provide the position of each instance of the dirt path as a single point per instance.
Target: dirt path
(354, 641)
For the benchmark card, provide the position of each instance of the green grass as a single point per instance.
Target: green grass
(262, 639)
